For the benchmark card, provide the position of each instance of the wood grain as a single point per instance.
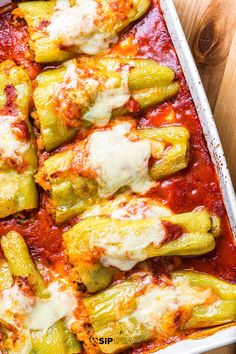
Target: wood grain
(225, 111)
(210, 27)
(231, 349)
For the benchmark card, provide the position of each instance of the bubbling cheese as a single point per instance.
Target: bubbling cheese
(77, 87)
(84, 86)
(10, 146)
(8, 186)
(125, 248)
(25, 312)
(108, 100)
(76, 26)
(156, 309)
(128, 207)
(62, 4)
(47, 312)
(71, 75)
(15, 306)
(118, 161)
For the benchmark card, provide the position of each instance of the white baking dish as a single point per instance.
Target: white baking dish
(224, 336)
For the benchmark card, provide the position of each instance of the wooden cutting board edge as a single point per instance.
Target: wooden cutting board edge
(210, 27)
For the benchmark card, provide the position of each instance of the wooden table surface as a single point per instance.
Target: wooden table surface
(210, 27)
(230, 349)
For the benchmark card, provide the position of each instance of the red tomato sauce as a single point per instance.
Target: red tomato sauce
(196, 186)
(14, 40)
(42, 236)
(173, 232)
(11, 95)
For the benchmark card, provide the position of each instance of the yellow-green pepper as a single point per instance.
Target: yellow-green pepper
(141, 308)
(97, 246)
(72, 193)
(62, 107)
(18, 162)
(18, 263)
(47, 48)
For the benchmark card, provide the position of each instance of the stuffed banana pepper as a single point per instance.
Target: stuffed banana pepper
(33, 315)
(18, 157)
(115, 236)
(90, 91)
(100, 246)
(109, 161)
(146, 307)
(59, 29)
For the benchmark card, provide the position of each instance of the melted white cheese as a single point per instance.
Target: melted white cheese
(15, 306)
(73, 81)
(107, 100)
(118, 161)
(10, 145)
(71, 75)
(62, 4)
(158, 303)
(30, 313)
(25, 313)
(47, 312)
(75, 26)
(8, 185)
(129, 207)
(125, 248)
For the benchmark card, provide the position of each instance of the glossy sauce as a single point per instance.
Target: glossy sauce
(197, 186)
(14, 44)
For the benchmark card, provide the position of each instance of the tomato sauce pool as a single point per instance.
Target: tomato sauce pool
(195, 187)
(198, 185)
